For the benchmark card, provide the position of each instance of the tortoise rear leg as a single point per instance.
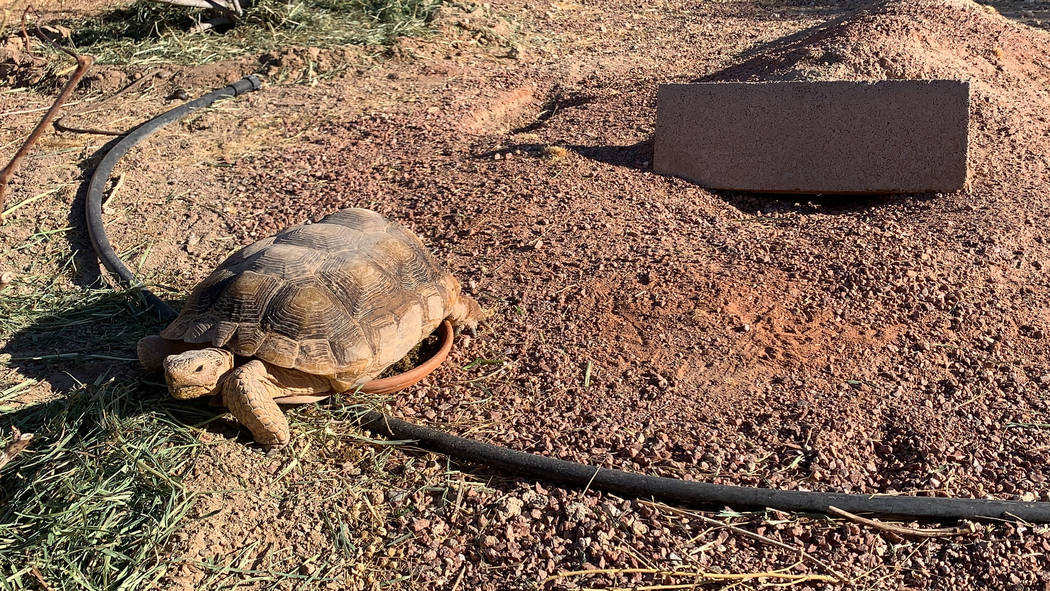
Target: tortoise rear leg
(249, 394)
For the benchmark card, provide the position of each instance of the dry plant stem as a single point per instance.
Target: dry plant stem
(25, 33)
(714, 522)
(230, 7)
(19, 441)
(59, 126)
(113, 193)
(900, 530)
(459, 578)
(40, 579)
(706, 576)
(83, 63)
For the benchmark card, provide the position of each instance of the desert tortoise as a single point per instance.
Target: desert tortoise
(319, 308)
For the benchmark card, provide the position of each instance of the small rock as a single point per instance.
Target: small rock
(576, 511)
(510, 508)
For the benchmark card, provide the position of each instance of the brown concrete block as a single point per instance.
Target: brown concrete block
(892, 136)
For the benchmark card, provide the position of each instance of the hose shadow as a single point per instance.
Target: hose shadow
(88, 270)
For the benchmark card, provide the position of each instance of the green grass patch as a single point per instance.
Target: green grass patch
(91, 503)
(52, 319)
(147, 32)
(93, 500)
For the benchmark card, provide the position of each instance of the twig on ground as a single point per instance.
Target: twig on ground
(112, 193)
(40, 579)
(900, 530)
(459, 578)
(839, 576)
(83, 63)
(25, 33)
(232, 7)
(59, 126)
(706, 576)
(19, 441)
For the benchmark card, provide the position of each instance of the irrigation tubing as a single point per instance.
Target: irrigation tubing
(629, 484)
(97, 184)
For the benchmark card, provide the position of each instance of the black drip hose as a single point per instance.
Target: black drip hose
(694, 493)
(550, 469)
(97, 184)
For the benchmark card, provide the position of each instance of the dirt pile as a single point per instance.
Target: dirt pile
(18, 67)
(872, 345)
(1008, 65)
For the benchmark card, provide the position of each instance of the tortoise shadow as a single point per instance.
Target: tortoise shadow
(88, 346)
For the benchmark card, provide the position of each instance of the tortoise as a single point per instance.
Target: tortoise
(317, 309)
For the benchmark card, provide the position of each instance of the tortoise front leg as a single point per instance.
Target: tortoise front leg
(249, 394)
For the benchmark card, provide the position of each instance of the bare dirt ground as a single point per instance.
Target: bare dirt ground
(869, 345)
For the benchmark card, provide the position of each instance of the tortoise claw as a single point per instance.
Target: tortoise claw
(465, 332)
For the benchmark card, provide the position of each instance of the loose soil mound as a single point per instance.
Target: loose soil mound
(1007, 64)
(18, 67)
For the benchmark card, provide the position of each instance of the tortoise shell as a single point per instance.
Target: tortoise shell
(344, 297)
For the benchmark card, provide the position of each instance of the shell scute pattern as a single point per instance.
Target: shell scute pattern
(323, 237)
(247, 252)
(286, 261)
(364, 220)
(346, 296)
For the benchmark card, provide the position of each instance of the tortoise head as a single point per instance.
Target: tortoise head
(196, 373)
